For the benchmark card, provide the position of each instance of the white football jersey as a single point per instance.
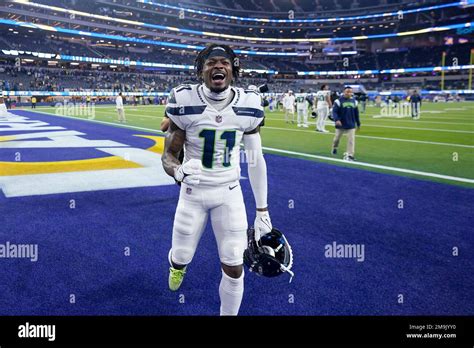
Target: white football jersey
(321, 97)
(301, 102)
(288, 101)
(3, 110)
(214, 136)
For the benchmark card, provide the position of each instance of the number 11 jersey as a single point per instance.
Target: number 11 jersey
(214, 136)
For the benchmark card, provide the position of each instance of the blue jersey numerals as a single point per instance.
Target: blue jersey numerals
(209, 136)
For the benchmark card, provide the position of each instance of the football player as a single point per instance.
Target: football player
(302, 109)
(323, 104)
(3, 106)
(210, 120)
(289, 106)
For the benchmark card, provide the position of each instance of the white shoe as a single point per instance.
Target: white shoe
(299, 125)
(305, 126)
(324, 131)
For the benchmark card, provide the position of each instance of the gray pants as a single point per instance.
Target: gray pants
(350, 139)
(290, 112)
(415, 109)
(121, 115)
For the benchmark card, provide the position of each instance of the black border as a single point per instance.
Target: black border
(240, 331)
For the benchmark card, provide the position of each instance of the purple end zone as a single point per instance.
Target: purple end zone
(407, 251)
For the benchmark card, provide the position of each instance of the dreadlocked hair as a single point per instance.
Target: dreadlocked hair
(202, 56)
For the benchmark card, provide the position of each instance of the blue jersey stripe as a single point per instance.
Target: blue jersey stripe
(185, 110)
(251, 112)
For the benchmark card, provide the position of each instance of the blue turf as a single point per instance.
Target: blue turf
(407, 251)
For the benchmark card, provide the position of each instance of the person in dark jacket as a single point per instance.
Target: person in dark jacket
(415, 103)
(346, 117)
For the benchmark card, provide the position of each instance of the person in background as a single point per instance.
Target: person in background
(3, 106)
(119, 107)
(33, 102)
(323, 105)
(302, 109)
(415, 103)
(363, 102)
(346, 116)
(289, 106)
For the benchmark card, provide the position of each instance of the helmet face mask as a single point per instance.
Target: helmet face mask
(269, 257)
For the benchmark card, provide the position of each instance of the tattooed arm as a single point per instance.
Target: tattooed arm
(190, 171)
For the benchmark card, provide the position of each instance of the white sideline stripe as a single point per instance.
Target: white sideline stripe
(364, 164)
(423, 121)
(416, 128)
(331, 124)
(446, 117)
(422, 117)
(103, 122)
(130, 114)
(380, 138)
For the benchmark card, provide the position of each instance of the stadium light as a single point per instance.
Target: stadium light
(109, 61)
(315, 20)
(240, 37)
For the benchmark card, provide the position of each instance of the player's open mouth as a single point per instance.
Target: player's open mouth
(218, 76)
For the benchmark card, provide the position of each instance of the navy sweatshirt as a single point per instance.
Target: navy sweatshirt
(415, 98)
(346, 111)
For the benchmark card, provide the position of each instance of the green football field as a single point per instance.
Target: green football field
(438, 147)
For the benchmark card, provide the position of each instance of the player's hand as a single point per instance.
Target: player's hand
(262, 225)
(189, 172)
(338, 123)
(358, 128)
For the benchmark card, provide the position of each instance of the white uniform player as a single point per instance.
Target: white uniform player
(119, 107)
(210, 120)
(3, 108)
(289, 106)
(302, 109)
(323, 103)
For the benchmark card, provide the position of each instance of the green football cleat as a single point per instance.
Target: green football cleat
(176, 278)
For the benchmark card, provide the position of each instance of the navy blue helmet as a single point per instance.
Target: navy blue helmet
(269, 257)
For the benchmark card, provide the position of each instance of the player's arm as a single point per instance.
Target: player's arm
(188, 172)
(356, 110)
(257, 169)
(165, 123)
(335, 112)
(174, 144)
(328, 100)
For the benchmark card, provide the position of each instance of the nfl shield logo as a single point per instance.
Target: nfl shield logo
(189, 190)
(219, 119)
